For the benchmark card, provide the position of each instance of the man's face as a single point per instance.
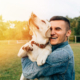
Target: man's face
(59, 32)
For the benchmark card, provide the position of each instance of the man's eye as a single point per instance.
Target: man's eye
(43, 21)
(58, 28)
(51, 28)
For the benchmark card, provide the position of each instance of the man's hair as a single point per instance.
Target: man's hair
(61, 18)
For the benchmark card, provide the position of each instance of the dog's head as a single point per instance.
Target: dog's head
(42, 26)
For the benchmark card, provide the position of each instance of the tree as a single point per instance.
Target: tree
(2, 28)
(77, 31)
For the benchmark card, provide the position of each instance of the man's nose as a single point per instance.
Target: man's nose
(52, 32)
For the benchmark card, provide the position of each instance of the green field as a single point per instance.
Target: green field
(10, 64)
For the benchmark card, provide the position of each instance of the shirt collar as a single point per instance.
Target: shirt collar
(59, 45)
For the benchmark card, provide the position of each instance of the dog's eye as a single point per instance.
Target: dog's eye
(43, 21)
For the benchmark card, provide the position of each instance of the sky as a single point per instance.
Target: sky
(21, 9)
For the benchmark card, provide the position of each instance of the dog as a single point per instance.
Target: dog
(38, 48)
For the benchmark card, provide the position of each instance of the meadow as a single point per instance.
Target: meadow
(10, 64)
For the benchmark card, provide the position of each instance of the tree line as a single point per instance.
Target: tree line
(75, 27)
(14, 30)
(19, 30)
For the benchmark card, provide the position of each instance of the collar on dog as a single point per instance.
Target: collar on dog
(39, 45)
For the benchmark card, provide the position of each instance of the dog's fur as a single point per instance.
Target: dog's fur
(40, 31)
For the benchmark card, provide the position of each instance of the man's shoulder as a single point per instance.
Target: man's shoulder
(58, 55)
(67, 50)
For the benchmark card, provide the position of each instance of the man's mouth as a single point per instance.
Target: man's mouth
(53, 38)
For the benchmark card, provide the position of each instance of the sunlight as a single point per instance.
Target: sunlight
(12, 25)
(21, 9)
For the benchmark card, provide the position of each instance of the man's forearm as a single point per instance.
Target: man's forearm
(54, 64)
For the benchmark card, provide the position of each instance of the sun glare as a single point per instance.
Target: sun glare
(12, 25)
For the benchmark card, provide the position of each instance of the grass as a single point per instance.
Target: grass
(76, 50)
(10, 64)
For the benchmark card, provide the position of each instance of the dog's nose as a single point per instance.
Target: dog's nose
(33, 15)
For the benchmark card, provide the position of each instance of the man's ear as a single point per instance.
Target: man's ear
(68, 33)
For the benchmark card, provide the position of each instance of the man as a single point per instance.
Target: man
(60, 63)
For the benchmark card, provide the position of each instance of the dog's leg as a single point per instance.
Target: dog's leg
(22, 77)
(24, 50)
(42, 57)
(27, 48)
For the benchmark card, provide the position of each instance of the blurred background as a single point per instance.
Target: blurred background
(14, 30)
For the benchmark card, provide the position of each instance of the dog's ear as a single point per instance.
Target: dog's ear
(30, 32)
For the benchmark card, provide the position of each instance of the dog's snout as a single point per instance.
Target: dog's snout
(33, 15)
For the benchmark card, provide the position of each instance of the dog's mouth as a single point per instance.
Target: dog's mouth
(35, 25)
(32, 21)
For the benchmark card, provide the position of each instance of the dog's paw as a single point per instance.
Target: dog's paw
(27, 48)
(41, 60)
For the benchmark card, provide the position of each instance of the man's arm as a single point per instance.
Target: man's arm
(57, 62)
